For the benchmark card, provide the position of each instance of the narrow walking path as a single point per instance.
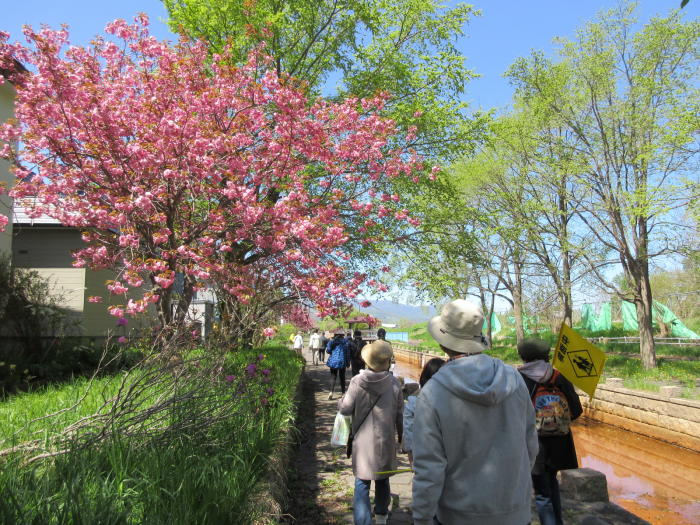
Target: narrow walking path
(324, 486)
(322, 483)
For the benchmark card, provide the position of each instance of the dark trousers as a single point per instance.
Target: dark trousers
(335, 372)
(547, 497)
(322, 355)
(356, 370)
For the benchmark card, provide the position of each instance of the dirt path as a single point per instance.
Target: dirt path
(323, 488)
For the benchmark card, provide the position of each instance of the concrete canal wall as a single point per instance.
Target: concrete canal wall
(664, 416)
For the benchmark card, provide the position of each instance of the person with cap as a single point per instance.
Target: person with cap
(356, 347)
(556, 406)
(375, 399)
(338, 351)
(315, 346)
(474, 435)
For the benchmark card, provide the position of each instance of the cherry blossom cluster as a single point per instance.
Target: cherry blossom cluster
(172, 163)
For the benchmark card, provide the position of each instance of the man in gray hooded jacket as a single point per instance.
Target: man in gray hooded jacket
(474, 435)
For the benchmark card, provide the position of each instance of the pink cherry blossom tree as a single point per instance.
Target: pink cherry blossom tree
(173, 164)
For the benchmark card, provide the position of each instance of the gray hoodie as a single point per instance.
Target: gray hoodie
(374, 445)
(474, 444)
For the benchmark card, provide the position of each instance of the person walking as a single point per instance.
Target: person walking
(474, 434)
(356, 361)
(375, 400)
(298, 343)
(556, 406)
(429, 370)
(315, 346)
(381, 335)
(338, 351)
(324, 345)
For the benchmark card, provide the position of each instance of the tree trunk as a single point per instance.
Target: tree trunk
(644, 318)
(566, 285)
(489, 324)
(183, 305)
(566, 266)
(518, 302)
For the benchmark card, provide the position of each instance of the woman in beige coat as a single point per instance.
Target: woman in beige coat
(376, 401)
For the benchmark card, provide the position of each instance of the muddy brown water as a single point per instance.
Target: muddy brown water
(656, 481)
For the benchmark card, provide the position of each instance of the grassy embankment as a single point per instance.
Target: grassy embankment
(200, 456)
(669, 371)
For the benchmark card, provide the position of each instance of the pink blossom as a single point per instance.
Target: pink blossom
(116, 311)
(268, 332)
(230, 379)
(117, 288)
(94, 299)
(122, 340)
(199, 131)
(122, 321)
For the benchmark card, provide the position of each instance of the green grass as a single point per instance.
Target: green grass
(212, 475)
(19, 410)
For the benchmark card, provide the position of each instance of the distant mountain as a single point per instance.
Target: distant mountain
(390, 312)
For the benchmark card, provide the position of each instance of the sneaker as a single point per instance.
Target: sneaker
(330, 395)
(381, 519)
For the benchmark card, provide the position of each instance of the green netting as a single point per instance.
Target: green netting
(605, 317)
(510, 319)
(678, 329)
(629, 316)
(588, 317)
(590, 321)
(495, 323)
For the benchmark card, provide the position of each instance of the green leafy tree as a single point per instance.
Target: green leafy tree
(353, 48)
(625, 91)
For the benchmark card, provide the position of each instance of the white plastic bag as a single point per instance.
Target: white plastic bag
(341, 430)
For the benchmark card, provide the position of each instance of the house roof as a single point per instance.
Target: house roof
(20, 218)
(18, 65)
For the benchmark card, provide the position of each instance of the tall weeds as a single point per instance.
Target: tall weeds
(174, 440)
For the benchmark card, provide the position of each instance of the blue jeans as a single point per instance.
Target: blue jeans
(382, 497)
(547, 498)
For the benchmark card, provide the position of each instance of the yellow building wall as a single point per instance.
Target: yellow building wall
(48, 251)
(67, 283)
(7, 111)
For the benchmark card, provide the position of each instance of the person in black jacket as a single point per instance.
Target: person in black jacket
(324, 345)
(557, 452)
(356, 353)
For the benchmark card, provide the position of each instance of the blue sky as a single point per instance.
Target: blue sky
(506, 30)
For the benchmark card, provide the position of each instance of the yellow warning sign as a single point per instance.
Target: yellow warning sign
(578, 360)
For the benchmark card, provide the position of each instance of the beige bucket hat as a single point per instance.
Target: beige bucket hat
(378, 355)
(459, 327)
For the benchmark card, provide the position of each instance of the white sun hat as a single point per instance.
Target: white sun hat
(459, 327)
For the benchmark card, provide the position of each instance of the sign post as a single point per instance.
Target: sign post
(578, 360)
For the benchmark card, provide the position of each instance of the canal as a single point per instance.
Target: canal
(656, 481)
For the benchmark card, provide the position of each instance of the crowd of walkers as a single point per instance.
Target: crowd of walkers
(480, 435)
